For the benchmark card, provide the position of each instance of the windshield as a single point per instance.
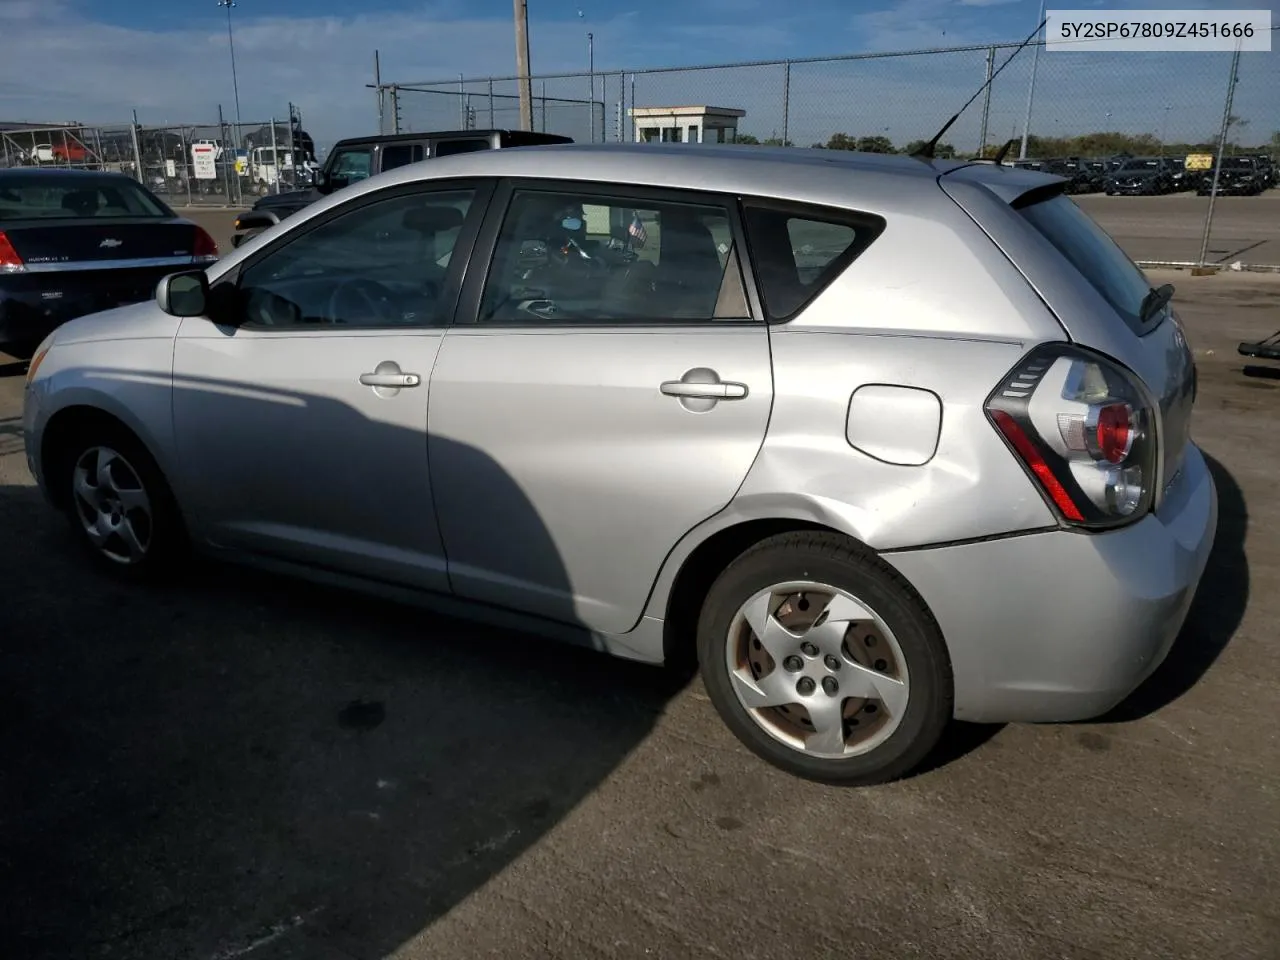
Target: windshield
(1237, 163)
(1135, 165)
(38, 196)
(1092, 251)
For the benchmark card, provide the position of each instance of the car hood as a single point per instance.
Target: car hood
(137, 321)
(292, 198)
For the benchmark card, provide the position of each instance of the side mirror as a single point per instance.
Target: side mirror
(321, 181)
(183, 294)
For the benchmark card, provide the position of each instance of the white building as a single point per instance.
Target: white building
(686, 124)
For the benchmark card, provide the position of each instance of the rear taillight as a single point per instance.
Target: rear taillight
(1084, 429)
(206, 247)
(10, 262)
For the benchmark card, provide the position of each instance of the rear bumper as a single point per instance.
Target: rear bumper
(33, 305)
(1063, 626)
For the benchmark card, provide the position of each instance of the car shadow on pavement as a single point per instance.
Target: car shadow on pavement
(1215, 614)
(239, 758)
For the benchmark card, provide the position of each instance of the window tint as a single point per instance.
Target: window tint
(564, 258)
(381, 265)
(400, 154)
(354, 164)
(798, 253)
(37, 197)
(1091, 251)
(447, 148)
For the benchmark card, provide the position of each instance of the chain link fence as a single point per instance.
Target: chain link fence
(214, 163)
(1077, 104)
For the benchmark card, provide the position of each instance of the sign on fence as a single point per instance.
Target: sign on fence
(204, 161)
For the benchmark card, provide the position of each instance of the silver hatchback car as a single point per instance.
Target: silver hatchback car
(879, 441)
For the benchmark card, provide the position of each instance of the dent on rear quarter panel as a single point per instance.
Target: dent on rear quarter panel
(971, 487)
(807, 471)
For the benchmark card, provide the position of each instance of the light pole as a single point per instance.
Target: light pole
(1031, 88)
(1164, 128)
(591, 72)
(235, 85)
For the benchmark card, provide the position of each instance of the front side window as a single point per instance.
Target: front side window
(798, 252)
(584, 258)
(381, 265)
(353, 165)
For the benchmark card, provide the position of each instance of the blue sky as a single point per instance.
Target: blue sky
(96, 61)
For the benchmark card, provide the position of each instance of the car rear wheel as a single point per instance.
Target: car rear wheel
(823, 661)
(120, 506)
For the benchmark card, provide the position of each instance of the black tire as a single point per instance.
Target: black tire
(842, 563)
(166, 540)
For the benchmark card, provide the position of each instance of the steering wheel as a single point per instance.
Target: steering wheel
(368, 297)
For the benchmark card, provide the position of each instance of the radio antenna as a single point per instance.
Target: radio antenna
(926, 152)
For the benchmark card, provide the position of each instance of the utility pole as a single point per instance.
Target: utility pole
(1031, 89)
(235, 84)
(522, 64)
(1222, 142)
(377, 86)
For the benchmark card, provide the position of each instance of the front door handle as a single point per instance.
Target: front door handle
(390, 379)
(727, 390)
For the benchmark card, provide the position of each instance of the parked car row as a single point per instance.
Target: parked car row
(1154, 176)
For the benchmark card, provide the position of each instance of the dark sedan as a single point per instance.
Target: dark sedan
(1239, 176)
(74, 242)
(1141, 176)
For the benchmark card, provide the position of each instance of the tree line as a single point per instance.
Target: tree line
(1100, 144)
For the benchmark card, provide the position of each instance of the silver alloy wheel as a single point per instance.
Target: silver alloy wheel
(112, 505)
(817, 669)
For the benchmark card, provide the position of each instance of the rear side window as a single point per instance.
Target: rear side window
(400, 154)
(1091, 250)
(64, 196)
(798, 250)
(447, 148)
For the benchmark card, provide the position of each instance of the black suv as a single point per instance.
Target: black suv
(358, 158)
(1239, 176)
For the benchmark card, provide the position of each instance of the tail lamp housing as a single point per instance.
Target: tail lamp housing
(1084, 429)
(206, 248)
(10, 261)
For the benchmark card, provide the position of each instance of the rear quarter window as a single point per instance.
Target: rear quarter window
(1093, 253)
(798, 250)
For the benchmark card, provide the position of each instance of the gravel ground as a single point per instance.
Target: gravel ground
(241, 766)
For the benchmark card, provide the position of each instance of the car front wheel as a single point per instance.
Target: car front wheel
(822, 660)
(120, 505)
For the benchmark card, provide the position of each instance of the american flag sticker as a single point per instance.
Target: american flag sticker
(636, 231)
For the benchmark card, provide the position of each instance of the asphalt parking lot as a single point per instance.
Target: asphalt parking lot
(1152, 229)
(240, 766)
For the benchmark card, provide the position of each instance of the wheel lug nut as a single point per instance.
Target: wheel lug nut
(808, 649)
(830, 687)
(832, 662)
(793, 663)
(805, 686)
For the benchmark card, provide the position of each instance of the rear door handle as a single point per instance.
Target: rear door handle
(704, 391)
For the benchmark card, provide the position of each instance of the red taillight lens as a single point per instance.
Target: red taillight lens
(205, 244)
(1084, 429)
(10, 262)
(1031, 457)
(1113, 434)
